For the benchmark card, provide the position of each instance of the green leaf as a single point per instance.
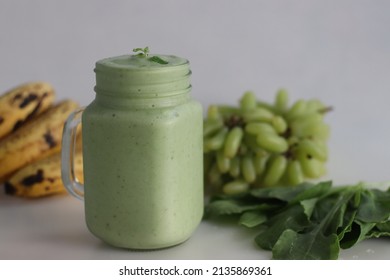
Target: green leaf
(293, 195)
(315, 191)
(329, 211)
(358, 232)
(319, 240)
(228, 207)
(143, 52)
(292, 218)
(374, 206)
(309, 221)
(380, 230)
(158, 60)
(312, 245)
(346, 226)
(384, 227)
(284, 194)
(308, 206)
(377, 234)
(252, 219)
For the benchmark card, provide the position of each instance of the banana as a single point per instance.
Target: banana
(22, 103)
(42, 177)
(37, 139)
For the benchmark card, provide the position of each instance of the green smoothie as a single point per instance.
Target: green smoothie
(143, 153)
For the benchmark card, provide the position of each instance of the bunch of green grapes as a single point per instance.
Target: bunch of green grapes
(257, 144)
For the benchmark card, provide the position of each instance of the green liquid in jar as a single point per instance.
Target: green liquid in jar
(143, 153)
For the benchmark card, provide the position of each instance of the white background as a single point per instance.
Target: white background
(334, 50)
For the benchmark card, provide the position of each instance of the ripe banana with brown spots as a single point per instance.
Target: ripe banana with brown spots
(36, 139)
(23, 103)
(42, 177)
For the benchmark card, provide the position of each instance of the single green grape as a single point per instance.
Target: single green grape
(213, 113)
(211, 126)
(235, 187)
(259, 162)
(272, 143)
(279, 124)
(248, 169)
(281, 101)
(312, 148)
(298, 108)
(259, 128)
(233, 141)
(235, 169)
(258, 115)
(214, 176)
(312, 167)
(294, 172)
(275, 170)
(248, 101)
(216, 142)
(223, 162)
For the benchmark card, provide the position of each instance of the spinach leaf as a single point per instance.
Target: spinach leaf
(380, 230)
(292, 217)
(314, 191)
(384, 227)
(228, 207)
(319, 240)
(357, 233)
(347, 224)
(252, 219)
(374, 206)
(294, 246)
(309, 221)
(308, 206)
(283, 194)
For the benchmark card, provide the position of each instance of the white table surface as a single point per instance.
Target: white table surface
(54, 228)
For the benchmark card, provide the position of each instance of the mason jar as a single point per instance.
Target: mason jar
(142, 153)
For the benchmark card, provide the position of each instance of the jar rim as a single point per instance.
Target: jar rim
(131, 75)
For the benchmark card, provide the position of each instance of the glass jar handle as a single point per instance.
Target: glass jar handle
(69, 138)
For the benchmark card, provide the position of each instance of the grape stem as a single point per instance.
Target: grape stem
(234, 121)
(325, 110)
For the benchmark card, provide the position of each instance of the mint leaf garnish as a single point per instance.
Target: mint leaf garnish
(158, 60)
(143, 52)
